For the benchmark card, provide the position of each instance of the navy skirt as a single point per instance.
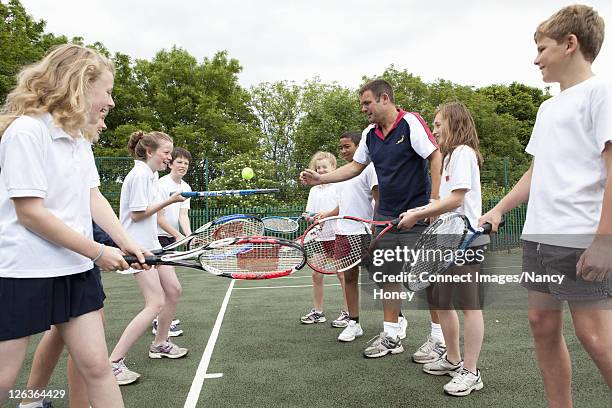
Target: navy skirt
(32, 305)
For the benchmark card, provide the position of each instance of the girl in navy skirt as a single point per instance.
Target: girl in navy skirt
(48, 197)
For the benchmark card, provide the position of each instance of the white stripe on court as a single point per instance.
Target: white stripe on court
(198, 381)
(284, 287)
(214, 375)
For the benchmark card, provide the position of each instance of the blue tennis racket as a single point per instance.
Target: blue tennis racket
(440, 247)
(229, 226)
(226, 193)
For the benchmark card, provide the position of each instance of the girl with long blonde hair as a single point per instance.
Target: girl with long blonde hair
(48, 197)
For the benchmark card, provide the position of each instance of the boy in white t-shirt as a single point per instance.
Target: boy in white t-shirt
(173, 221)
(569, 188)
(357, 198)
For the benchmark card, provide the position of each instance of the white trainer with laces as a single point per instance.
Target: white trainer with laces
(429, 351)
(464, 383)
(124, 375)
(351, 331)
(382, 345)
(342, 320)
(443, 367)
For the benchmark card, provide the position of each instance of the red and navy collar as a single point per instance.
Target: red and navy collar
(378, 131)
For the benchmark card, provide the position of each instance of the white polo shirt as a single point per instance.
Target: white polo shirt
(39, 159)
(323, 197)
(356, 198)
(569, 173)
(167, 187)
(140, 189)
(461, 171)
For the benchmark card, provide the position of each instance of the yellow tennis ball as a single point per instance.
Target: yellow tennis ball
(247, 173)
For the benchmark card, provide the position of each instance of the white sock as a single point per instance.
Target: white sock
(392, 329)
(436, 332)
(37, 404)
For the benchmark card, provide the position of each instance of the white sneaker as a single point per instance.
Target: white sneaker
(351, 331)
(175, 322)
(124, 375)
(382, 345)
(429, 351)
(403, 326)
(342, 320)
(443, 367)
(173, 330)
(464, 383)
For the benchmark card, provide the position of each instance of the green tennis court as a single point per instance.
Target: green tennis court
(247, 348)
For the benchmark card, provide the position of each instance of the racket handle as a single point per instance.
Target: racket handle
(487, 227)
(189, 194)
(149, 260)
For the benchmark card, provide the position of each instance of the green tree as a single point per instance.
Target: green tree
(22, 41)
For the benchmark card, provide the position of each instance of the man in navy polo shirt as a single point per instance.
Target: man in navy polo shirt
(400, 145)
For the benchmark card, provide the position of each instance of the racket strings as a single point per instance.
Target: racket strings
(437, 247)
(333, 247)
(279, 224)
(239, 228)
(252, 258)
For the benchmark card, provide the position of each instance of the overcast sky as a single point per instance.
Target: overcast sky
(468, 42)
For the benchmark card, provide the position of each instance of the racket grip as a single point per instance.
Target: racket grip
(189, 194)
(149, 260)
(486, 227)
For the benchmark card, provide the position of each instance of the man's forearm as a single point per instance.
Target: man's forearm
(346, 172)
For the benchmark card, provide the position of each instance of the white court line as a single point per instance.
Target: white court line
(214, 375)
(198, 381)
(284, 287)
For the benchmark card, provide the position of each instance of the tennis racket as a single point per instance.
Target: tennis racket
(238, 258)
(284, 225)
(224, 193)
(336, 244)
(228, 226)
(439, 247)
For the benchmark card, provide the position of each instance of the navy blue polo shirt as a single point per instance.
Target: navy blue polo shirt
(400, 160)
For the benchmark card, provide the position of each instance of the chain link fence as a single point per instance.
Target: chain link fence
(497, 177)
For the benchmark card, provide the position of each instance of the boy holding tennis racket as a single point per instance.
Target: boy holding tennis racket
(48, 197)
(174, 218)
(322, 201)
(356, 198)
(569, 188)
(459, 192)
(400, 145)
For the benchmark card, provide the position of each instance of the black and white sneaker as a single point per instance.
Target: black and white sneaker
(382, 345)
(313, 317)
(342, 320)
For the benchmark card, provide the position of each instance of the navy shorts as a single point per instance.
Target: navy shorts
(164, 241)
(32, 305)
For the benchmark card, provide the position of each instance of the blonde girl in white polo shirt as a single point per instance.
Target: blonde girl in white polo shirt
(139, 204)
(322, 201)
(48, 197)
(459, 192)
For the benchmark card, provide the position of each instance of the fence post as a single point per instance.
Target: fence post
(506, 186)
(206, 189)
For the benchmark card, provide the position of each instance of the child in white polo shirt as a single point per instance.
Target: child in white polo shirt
(138, 207)
(322, 201)
(174, 218)
(48, 197)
